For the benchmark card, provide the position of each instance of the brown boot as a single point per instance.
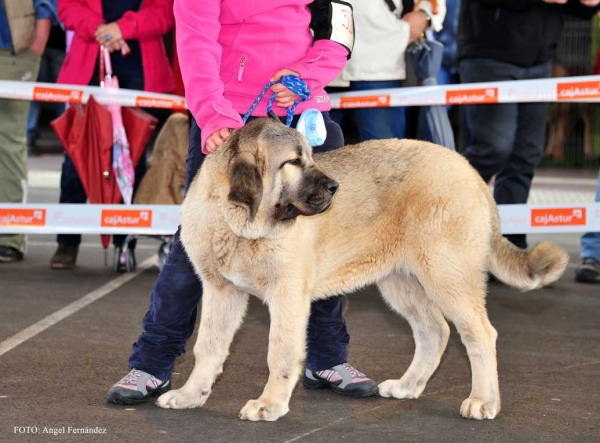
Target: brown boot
(65, 256)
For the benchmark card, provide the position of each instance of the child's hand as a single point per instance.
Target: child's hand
(217, 139)
(285, 98)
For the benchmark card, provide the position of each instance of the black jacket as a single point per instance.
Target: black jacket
(521, 32)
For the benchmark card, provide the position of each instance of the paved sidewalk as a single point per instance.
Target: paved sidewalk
(548, 354)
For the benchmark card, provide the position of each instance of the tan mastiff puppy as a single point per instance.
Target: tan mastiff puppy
(411, 217)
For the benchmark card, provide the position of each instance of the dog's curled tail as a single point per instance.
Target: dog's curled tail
(527, 270)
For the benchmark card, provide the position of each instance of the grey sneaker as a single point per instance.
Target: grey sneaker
(342, 379)
(588, 271)
(137, 387)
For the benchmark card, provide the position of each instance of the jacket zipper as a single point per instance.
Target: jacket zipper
(241, 70)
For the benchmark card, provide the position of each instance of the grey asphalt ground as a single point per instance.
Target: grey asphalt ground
(548, 353)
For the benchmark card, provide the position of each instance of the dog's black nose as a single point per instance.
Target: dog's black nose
(332, 186)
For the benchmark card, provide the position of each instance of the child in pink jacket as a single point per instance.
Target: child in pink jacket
(228, 51)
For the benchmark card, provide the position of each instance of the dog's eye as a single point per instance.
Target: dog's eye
(295, 162)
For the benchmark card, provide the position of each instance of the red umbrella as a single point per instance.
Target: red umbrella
(139, 126)
(86, 133)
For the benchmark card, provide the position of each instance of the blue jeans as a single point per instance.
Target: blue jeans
(590, 242)
(71, 188)
(170, 321)
(507, 140)
(374, 123)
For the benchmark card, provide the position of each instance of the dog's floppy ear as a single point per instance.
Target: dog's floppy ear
(245, 183)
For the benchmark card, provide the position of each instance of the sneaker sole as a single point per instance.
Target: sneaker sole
(118, 399)
(314, 385)
(10, 259)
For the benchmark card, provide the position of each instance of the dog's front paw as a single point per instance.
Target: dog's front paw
(262, 410)
(400, 389)
(479, 409)
(183, 399)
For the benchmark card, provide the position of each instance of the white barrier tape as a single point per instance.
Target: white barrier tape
(89, 219)
(51, 92)
(163, 220)
(155, 220)
(549, 219)
(567, 89)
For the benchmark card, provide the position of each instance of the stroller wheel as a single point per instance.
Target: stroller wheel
(124, 260)
(163, 253)
(130, 264)
(117, 258)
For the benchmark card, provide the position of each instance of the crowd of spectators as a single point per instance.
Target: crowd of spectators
(485, 41)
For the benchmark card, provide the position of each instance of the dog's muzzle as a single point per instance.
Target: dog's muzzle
(322, 196)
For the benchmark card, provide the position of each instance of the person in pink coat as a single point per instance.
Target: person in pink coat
(228, 51)
(133, 31)
(142, 24)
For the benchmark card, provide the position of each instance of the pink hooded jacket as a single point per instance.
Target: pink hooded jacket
(229, 50)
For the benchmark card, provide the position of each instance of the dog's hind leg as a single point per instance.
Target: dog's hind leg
(287, 344)
(459, 292)
(223, 310)
(406, 296)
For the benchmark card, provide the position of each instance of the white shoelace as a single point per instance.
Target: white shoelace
(133, 377)
(353, 372)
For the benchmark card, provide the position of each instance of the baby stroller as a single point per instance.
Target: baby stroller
(163, 184)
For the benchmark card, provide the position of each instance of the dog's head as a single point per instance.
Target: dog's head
(272, 175)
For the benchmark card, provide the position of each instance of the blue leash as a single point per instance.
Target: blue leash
(294, 84)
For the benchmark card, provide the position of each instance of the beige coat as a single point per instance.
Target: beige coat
(21, 22)
(164, 182)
